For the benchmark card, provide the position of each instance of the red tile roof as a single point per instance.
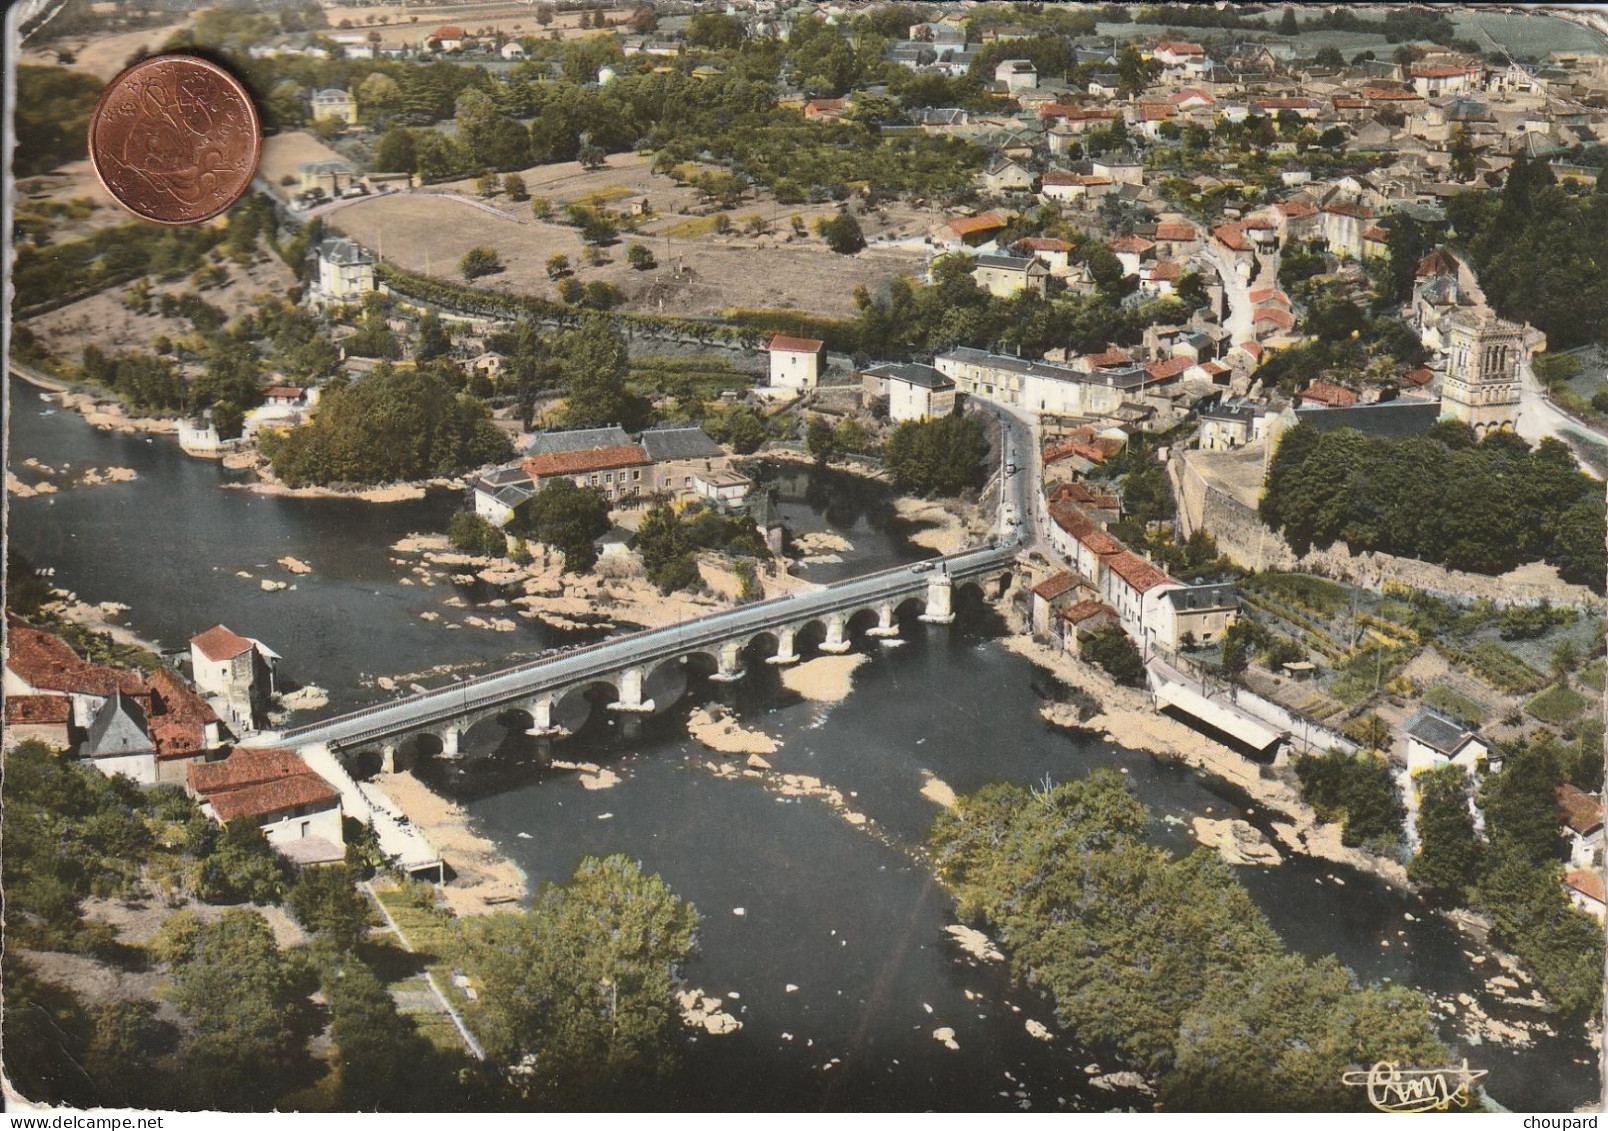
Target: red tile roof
(1327, 393)
(1085, 610)
(785, 343)
(1283, 319)
(1252, 348)
(256, 783)
(971, 225)
(1174, 231)
(178, 717)
(1167, 368)
(1166, 272)
(1062, 177)
(1296, 208)
(1419, 377)
(1044, 243)
(1580, 811)
(1157, 111)
(37, 710)
(1052, 587)
(447, 31)
(218, 643)
(823, 107)
(1179, 97)
(1388, 94)
(1178, 47)
(1355, 211)
(1437, 262)
(281, 392)
(1101, 543)
(44, 661)
(583, 462)
(1586, 883)
(1107, 358)
(1441, 71)
(256, 801)
(1139, 574)
(1133, 245)
(1231, 236)
(1264, 295)
(1070, 519)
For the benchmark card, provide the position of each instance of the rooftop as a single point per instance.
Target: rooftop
(580, 463)
(575, 440)
(785, 343)
(1580, 811)
(1055, 585)
(1437, 731)
(679, 441)
(219, 643)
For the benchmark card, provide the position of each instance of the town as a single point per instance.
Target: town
(1246, 369)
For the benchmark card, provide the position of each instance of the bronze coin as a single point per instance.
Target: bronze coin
(175, 139)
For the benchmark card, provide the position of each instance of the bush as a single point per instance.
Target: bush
(478, 261)
(937, 457)
(639, 257)
(469, 533)
(514, 186)
(1357, 791)
(842, 233)
(1111, 648)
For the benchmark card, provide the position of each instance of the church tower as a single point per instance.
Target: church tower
(1482, 370)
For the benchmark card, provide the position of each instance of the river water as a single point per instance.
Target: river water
(848, 915)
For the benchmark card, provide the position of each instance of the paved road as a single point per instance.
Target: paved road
(1539, 417)
(518, 686)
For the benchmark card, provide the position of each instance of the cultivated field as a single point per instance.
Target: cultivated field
(102, 55)
(283, 153)
(70, 182)
(408, 24)
(103, 320)
(698, 273)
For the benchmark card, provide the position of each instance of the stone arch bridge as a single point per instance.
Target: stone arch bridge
(625, 663)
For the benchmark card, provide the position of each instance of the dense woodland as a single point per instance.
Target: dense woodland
(1485, 507)
(1166, 961)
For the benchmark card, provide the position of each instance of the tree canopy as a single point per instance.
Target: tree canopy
(392, 423)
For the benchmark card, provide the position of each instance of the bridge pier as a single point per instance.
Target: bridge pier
(940, 591)
(541, 715)
(886, 625)
(785, 653)
(835, 640)
(449, 737)
(388, 758)
(731, 662)
(630, 686)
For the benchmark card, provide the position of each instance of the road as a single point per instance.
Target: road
(1539, 417)
(518, 686)
(1020, 513)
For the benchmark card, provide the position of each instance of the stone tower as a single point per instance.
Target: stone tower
(1482, 370)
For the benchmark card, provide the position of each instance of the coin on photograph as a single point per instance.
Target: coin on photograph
(175, 139)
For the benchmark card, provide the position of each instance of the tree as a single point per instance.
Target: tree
(246, 1004)
(378, 94)
(326, 902)
(667, 551)
(514, 186)
(937, 457)
(1449, 853)
(488, 184)
(820, 442)
(126, 1052)
(1520, 805)
(579, 988)
(385, 426)
(434, 341)
(1326, 56)
(842, 233)
(716, 30)
(591, 362)
(568, 518)
(242, 868)
(591, 157)
(1282, 1038)
(469, 533)
(1114, 651)
(1132, 73)
(640, 258)
(478, 261)
(558, 265)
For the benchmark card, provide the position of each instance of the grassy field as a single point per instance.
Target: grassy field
(1455, 704)
(1557, 704)
(1590, 676)
(692, 228)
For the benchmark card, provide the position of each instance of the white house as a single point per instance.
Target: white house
(298, 811)
(1434, 740)
(795, 363)
(345, 269)
(725, 487)
(1198, 613)
(497, 494)
(1582, 824)
(1585, 892)
(232, 668)
(917, 392)
(1017, 74)
(334, 104)
(513, 49)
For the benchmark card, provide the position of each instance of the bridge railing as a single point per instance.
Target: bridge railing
(703, 631)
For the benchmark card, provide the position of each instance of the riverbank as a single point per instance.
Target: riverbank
(101, 410)
(484, 880)
(1128, 718)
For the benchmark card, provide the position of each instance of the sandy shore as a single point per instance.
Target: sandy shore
(943, 530)
(1128, 719)
(391, 493)
(825, 679)
(485, 880)
(98, 618)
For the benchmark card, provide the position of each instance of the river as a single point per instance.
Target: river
(849, 915)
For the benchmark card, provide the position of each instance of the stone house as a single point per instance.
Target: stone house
(298, 812)
(1006, 275)
(795, 363)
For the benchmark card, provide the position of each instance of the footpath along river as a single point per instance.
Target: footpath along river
(832, 934)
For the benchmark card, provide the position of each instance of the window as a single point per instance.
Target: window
(635, 475)
(608, 477)
(594, 479)
(306, 827)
